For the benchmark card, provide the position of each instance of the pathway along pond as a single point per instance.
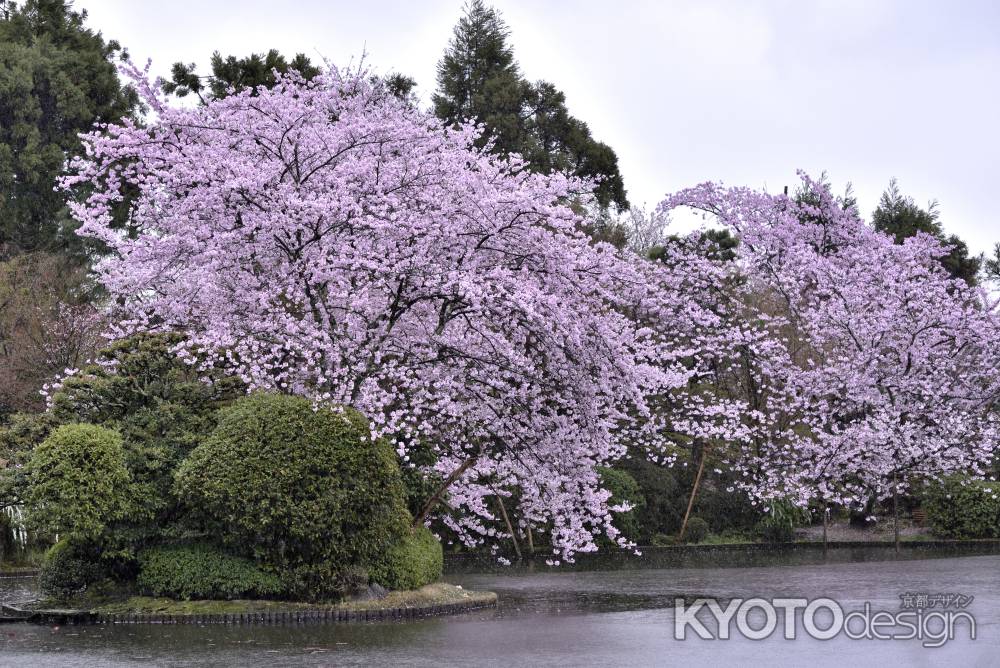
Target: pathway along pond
(581, 618)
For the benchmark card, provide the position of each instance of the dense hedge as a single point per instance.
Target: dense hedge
(69, 568)
(77, 482)
(304, 491)
(413, 562)
(962, 508)
(202, 571)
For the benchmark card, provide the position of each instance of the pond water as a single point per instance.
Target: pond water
(599, 618)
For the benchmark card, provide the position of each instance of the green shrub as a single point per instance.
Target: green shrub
(160, 406)
(624, 489)
(697, 530)
(663, 540)
(413, 562)
(772, 531)
(663, 498)
(201, 571)
(778, 526)
(724, 510)
(420, 480)
(963, 508)
(728, 537)
(69, 568)
(666, 491)
(303, 491)
(21, 433)
(77, 482)
(143, 372)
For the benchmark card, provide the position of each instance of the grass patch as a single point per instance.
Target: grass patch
(915, 538)
(433, 594)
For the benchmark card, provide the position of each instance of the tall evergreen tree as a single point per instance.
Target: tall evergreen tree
(237, 74)
(901, 217)
(57, 79)
(991, 268)
(478, 78)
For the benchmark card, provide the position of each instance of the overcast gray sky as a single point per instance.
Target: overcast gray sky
(684, 91)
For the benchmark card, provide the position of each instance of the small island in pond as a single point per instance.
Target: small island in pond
(170, 495)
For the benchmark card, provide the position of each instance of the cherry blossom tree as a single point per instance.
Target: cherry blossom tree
(325, 239)
(859, 361)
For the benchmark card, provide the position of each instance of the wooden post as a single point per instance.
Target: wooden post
(826, 521)
(895, 509)
(694, 491)
(510, 527)
(531, 541)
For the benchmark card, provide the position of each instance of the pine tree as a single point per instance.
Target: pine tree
(230, 74)
(478, 78)
(900, 217)
(236, 74)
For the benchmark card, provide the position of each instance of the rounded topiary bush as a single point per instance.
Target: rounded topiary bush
(68, 569)
(77, 482)
(415, 561)
(305, 491)
(697, 530)
(202, 571)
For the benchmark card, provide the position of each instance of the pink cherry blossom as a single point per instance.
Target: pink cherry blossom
(859, 360)
(325, 239)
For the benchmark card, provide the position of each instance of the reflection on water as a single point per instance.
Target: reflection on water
(603, 618)
(727, 556)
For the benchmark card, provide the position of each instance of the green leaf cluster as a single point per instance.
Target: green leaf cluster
(70, 567)
(304, 490)
(624, 489)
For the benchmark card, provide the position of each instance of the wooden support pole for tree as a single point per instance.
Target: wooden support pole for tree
(826, 521)
(694, 491)
(895, 509)
(531, 541)
(510, 527)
